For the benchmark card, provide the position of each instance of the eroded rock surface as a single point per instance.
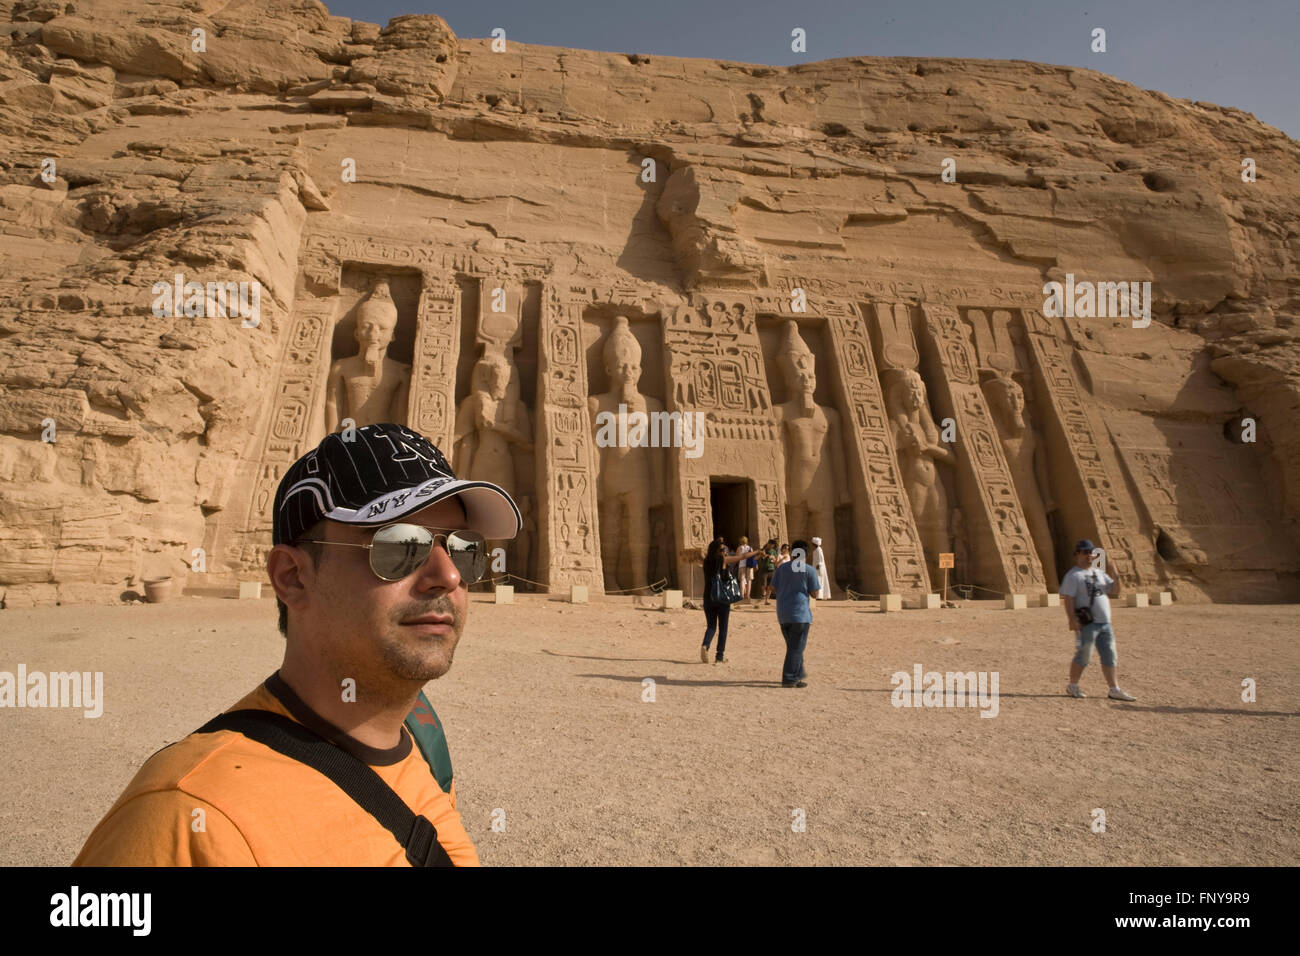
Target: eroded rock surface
(705, 203)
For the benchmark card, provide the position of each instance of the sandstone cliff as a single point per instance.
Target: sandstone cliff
(226, 161)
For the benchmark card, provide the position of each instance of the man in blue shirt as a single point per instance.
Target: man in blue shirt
(795, 582)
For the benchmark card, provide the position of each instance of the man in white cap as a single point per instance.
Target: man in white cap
(375, 544)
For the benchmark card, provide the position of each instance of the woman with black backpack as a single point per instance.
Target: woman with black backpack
(721, 590)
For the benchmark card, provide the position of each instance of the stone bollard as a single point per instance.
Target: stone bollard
(250, 589)
(1162, 598)
(1016, 602)
(577, 594)
(505, 594)
(672, 600)
(933, 602)
(1137, 599)
(891, 602)
(1049, 600)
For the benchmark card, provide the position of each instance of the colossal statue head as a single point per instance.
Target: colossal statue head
(622, 355)
(492, 375)
(376, 321)
(798, 364)
(907, 391)
(1007, 400)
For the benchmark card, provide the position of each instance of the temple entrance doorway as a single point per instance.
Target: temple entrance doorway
(732, 505)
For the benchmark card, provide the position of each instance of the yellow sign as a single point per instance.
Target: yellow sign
(945, 559)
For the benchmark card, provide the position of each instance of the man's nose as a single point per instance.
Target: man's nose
(438, 573)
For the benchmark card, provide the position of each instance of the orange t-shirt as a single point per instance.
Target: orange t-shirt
(261, 808)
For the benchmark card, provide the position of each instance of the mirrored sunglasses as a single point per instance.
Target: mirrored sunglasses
(397, 550)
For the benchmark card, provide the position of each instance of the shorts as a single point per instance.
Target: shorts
(1103, 637)
(747, 574)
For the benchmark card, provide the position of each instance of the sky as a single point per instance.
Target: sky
(1240, 53)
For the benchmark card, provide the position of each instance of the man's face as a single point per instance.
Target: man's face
(1083, 559)
(356, 619)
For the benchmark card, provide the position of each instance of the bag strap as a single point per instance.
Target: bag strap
(423, 724)
(1087, 580)
(418, 837)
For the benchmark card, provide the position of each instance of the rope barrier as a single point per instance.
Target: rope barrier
(655, 588)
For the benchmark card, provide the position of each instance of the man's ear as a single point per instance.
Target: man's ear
(292, 574)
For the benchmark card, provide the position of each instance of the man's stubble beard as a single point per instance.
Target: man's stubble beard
(416, 657)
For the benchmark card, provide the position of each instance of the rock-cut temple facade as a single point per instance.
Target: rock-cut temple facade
(762, 276)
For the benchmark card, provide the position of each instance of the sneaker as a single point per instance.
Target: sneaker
(1117, 694)
(720, 660)
(1073, 690)
(704, 654)
(798, 683)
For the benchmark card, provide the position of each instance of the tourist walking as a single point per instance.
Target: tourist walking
(795, 581)
(1090, 622)
(716, 614)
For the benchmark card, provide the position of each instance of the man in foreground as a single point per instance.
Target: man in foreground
(1088, 589)
(375, 544)
(795, 582)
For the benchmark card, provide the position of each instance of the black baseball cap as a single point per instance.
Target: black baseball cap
(383, 473)
(1084, 545)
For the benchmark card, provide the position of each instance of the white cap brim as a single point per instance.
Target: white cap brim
(489, 510)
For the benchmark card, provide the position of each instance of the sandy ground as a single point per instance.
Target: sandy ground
(545, 714)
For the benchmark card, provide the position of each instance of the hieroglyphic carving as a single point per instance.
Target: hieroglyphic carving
(695, 505)
(569, 542)
(433, 378)
(1114, 522)
(288, 436)
(740, 427)
(870, 451)
(715, 365)
(983, 461)
(769, 510)
(322, 249)
(714, 359)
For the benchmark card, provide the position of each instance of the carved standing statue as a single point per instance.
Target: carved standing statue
(814, 465)
(489, 428)
(369, 387)
(917, 439)
(1027, 461)
(630, 479)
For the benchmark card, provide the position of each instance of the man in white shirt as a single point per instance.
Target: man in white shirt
(1089, 589)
